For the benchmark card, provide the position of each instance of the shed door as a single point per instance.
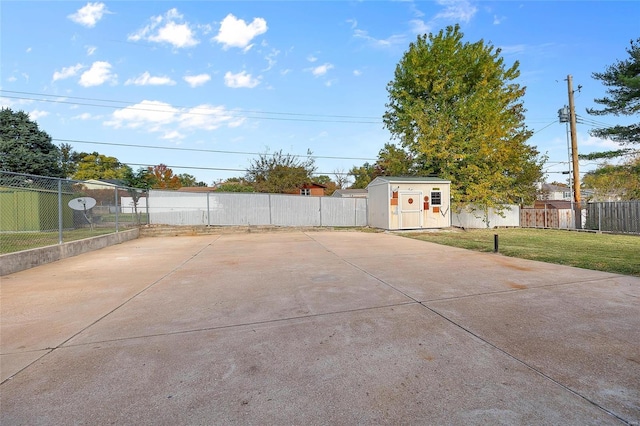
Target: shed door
(410, 210)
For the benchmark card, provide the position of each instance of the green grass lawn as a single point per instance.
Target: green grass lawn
(602, 252)
(17, 241)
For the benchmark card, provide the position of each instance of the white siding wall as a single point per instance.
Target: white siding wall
(475, 219)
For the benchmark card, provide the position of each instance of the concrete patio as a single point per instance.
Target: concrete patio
(315, 327)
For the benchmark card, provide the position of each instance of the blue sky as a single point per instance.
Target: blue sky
(205, 86)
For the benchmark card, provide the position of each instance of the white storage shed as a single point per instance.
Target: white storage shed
(409, 202)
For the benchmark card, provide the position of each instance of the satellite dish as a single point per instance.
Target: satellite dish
(82, 203)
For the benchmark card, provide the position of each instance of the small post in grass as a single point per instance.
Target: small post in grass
(495, 243)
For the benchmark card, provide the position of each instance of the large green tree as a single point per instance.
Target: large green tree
(69, 159)
(279, 172)
(24, 148)
(456, 108)
(234, 184)
(392, 161)
(189, 180)
(100, 166)
(623, 98)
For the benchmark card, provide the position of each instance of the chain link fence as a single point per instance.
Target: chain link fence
(37, 211)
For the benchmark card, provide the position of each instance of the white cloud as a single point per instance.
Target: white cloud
(321, 69)
(311, 58)
(197, 80)
(12, 79)
(28, 50)
(271, 59)
(149, 114)
(173, 135)
(418, 26)
(67, 72)
(235, 32)
(91, 50)
(208, 117)
(145, 79)
(357, 73)
(83, 116)
(169, 28)
(456, 10)
(598, 143)
(179, 35)
(516, 48)
(386, 42)
(497, 20)
(156, 116)
(240, 80)
(89, 14)
(99, 73)
(36, 114)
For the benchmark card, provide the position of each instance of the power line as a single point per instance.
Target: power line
(589, 121)
(219, 168)
(539, 130)
(194, 110)
(206, 150)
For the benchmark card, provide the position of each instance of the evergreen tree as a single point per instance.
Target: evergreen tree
(623, 82)
(24, 148)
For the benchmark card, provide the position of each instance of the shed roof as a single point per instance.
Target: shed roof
(383, 180)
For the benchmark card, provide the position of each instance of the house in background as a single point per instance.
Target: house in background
(312, 189)
(553, 192)
(550, 191)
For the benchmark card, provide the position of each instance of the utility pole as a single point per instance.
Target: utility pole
(574, 155)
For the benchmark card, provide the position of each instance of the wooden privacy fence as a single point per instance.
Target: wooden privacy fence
(547, 218)
(617, 216)
(621, 217)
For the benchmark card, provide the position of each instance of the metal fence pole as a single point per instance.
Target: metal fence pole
(116, 190)
(60, 222)
(208, 211)
(148, 191)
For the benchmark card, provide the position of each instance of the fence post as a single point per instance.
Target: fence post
(148, 194)
(270, 219)
(60, 222)
(320, 209)
(208, 211)
(600, 217)
(116, 195)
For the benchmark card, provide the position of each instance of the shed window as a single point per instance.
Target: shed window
(305, 191)
(436, 198)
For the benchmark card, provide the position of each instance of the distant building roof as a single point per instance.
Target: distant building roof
(101, 183)
(554, 188)
(350, 193)
(313, 185)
